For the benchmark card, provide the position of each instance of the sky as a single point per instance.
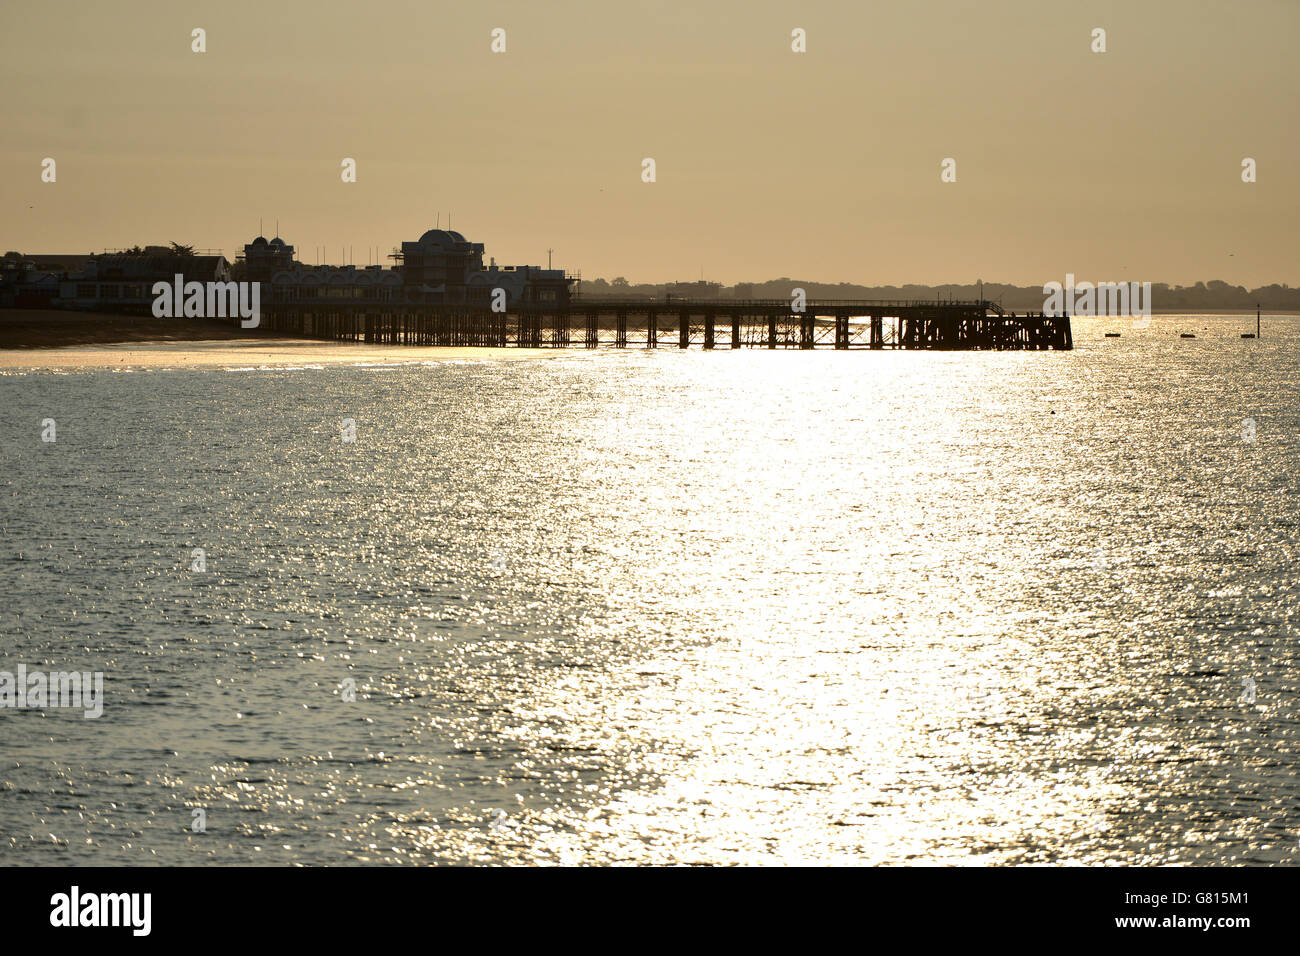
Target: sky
(823, 166)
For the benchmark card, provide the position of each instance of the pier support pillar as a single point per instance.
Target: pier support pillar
(708, 330)
(684, 330)
(841, 331)
(620, 331)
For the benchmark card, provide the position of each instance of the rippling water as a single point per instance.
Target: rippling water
(752, 607)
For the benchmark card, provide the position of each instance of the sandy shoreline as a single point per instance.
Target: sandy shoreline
(55, 340)
(252, 352)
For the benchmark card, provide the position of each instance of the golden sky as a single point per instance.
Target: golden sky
(823, 166)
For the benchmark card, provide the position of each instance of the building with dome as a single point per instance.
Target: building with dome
(440, 259)
(441, 267)
(264, 258)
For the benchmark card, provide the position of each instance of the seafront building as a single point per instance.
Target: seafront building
(441, 267)
(120, 281)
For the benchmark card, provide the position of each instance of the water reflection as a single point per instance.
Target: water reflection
(670, 608)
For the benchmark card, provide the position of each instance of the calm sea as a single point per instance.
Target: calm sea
(614, 607)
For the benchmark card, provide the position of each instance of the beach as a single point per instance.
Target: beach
(48, 339)
(255, 352)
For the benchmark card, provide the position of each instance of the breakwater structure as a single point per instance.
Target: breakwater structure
(679, 323)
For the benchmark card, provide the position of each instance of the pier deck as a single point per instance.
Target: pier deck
(680, 323)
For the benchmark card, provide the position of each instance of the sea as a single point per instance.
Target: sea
(637, 606)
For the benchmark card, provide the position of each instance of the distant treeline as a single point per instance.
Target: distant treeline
(1204, 296)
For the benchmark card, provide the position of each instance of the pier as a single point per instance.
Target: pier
(678, 323)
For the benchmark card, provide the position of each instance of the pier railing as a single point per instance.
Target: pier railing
(784, 305)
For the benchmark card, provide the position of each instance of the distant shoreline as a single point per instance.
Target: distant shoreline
(40, 339)
(58, 339)
(57, 328)
(259, 353)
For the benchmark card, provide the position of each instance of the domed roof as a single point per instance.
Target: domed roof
(258, 242)
(442, 237)
(277, 242)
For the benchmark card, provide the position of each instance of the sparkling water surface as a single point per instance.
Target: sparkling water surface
(665, 607)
